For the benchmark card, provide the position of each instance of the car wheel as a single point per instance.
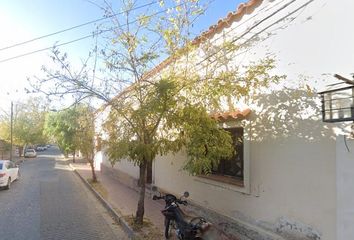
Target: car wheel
(8, 186)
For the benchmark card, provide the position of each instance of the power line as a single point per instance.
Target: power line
(250, 29)
(82, 38)
(255, 34)
(242, 23)
(90, 35)
(76, 26)
(264, 29)
(157, 13)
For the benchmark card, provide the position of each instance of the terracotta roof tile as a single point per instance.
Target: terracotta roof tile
(233, 115)
(242, 9)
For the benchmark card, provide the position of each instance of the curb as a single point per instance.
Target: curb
(117, 217)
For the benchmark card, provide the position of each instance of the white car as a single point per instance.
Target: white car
(9, 172)
(30, 153)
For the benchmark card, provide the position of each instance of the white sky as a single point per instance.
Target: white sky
(14, 73)
(21, 20)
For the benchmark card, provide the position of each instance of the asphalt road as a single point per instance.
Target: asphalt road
(49, 202)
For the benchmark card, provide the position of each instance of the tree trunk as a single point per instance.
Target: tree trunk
(20, 151)
(94, 177)
(142, 179)
(74, 156)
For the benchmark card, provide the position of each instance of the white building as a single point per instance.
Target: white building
(296, 171)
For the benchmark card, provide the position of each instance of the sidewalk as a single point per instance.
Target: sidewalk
(123, 198)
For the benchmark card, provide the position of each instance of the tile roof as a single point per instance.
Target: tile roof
(242, 9)
(237, 114)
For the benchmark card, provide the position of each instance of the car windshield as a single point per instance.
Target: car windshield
(30, 150)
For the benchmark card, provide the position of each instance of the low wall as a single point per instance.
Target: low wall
(119, 175)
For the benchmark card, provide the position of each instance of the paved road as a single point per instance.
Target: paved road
(49, 202)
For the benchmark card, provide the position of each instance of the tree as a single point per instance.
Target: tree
(86, 135)
(73, 130)
(28, 124)
(62, 126)
(160, 111)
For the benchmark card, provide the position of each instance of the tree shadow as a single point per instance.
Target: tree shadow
(288, 114)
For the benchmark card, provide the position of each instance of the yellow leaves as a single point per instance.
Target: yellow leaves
(197, 12)
(230, 46)
(144, 20)
(178, 8)
(308, 89)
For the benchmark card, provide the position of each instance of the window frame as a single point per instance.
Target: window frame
(221, 171)
(226, 182)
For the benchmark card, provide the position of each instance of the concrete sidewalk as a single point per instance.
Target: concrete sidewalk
(123, 198)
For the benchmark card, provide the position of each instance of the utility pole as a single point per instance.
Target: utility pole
(11, 128)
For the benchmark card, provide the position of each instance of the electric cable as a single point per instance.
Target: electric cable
(76, 26)
(82, 38)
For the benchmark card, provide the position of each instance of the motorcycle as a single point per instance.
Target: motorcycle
(176, 220)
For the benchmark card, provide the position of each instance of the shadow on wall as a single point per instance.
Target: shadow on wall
(288, 114)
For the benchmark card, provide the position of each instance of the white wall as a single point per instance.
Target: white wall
(292, 154)
(124, 166)
(345, 183)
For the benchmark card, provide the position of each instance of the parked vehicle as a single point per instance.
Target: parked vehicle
(39, 149)
(30, 153)
(9, 172)
(175, 219)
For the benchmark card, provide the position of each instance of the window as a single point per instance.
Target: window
(234, 166)
(0, 165)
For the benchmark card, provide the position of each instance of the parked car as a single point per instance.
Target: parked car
(39, 149)
(30, 153)
(9, 172)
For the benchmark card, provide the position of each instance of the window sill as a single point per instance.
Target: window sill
(224, 179)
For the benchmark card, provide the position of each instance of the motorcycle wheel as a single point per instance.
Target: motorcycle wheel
(168, 228)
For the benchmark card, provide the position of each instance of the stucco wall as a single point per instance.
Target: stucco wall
(124, 166)
(345, 183)
(291, 179)
(291, 153)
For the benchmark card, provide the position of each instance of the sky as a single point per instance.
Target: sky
(22, 20)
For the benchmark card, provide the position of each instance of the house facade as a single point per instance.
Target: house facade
(292, 175)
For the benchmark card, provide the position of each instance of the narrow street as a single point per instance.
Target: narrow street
(49, 202)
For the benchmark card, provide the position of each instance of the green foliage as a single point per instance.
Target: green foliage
(28, 123)
(72, 129)
(165, 122)
(86, 131)
(171, 112)
(62, 127)
(159, 112)
(206, 143)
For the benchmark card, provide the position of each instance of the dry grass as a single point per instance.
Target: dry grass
(98, 187)
(145, 232)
